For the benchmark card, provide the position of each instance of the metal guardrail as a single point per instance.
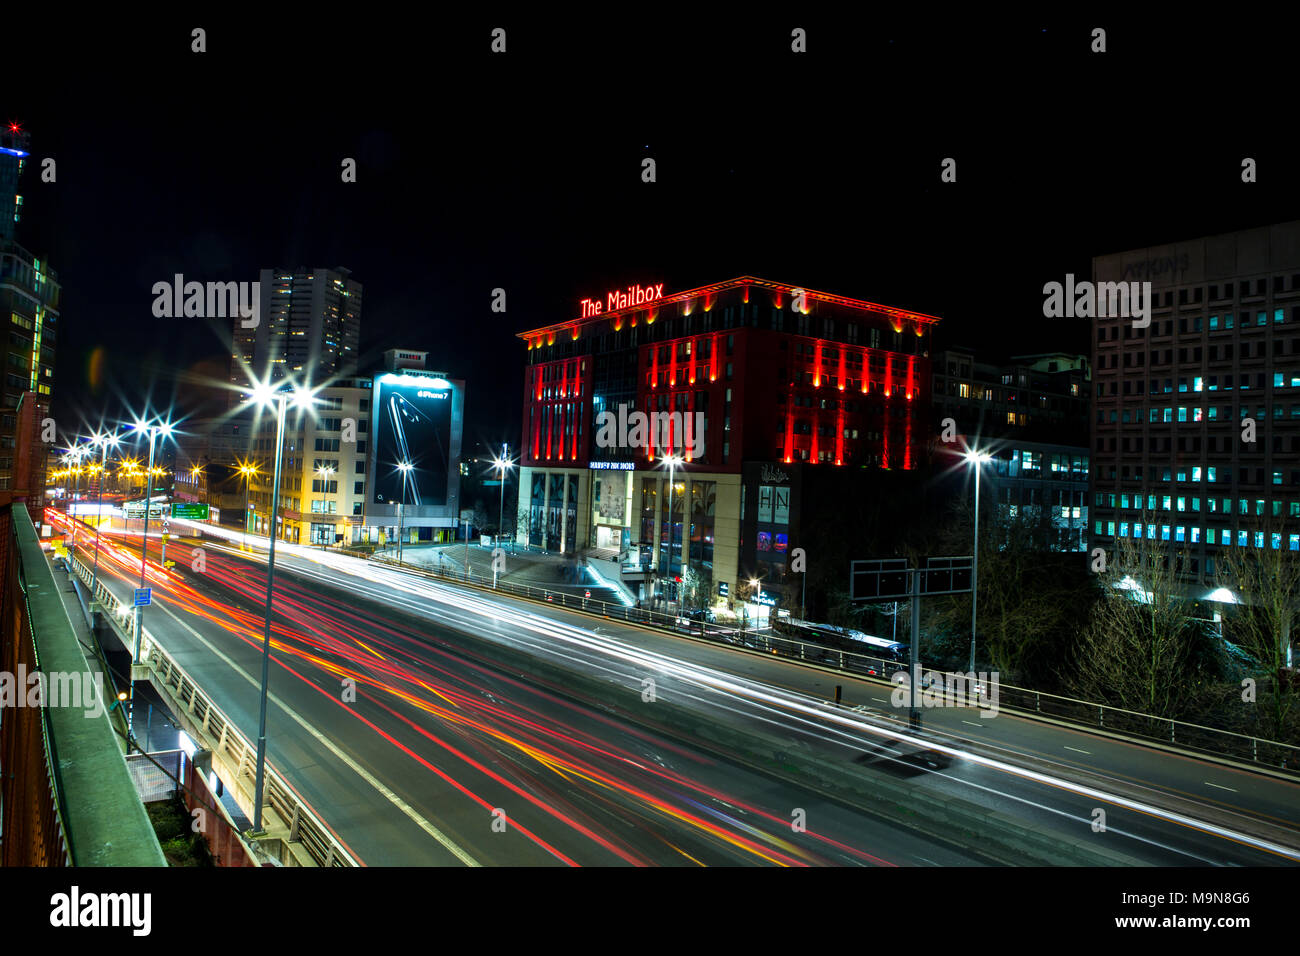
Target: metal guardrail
(1188, 736)
(305, 826)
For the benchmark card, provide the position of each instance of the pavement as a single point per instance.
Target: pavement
(536, 569)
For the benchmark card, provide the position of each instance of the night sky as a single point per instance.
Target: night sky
(522, 171)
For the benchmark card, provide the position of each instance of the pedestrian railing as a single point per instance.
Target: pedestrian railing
(304, 825)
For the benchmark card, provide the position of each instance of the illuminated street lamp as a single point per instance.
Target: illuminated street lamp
(248, 470)
(153, 430)
(978, 460)
(324, 472)
(503, 466)
(673, 462)
(405, 468)
(104, 440)
(266, 395)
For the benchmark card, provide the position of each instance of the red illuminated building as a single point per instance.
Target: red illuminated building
(776, 375)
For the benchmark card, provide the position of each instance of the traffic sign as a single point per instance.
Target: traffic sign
(724, 589)
(946, 575)
(194, 511)
(143, 597)
(888, 579)
(587, 594)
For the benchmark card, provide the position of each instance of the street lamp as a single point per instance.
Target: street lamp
(76, 453)
(502, 466)
(104, 440)
(405, 468)
(978, 459)
(324, 471)
(265, 395)
(248, 470)
(672, 461)
(153, 431)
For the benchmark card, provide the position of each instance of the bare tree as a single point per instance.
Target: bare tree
(1266, 581)
(1140, 649)
(1028, 599)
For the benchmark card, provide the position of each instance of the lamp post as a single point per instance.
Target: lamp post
(76, 453)
(248, 470)
(265, 396)
(977, 459)
(405, 468)
(153, 431)
(502, 466)
(104, 440)
(324, 471)
(672, 461)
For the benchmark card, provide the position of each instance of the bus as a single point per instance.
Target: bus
(894, 651)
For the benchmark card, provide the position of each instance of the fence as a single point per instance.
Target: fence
(172, 680)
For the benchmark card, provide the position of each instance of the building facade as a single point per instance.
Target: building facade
(1196, 431)
(1030, 414)
(309, 327)
(654, 423)
(322, 477)
(29, 300)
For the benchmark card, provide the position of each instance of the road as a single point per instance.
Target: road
(449, 754)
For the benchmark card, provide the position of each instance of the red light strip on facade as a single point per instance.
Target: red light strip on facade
(839, 435)
(688, 426)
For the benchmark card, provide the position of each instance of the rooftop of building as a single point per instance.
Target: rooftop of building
(1263, 231)
(897, 317)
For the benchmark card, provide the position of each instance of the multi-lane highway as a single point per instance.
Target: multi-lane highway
(486, 730)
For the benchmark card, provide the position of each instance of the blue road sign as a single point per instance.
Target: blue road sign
(142, 596)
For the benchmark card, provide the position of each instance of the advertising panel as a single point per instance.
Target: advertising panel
(412, 423)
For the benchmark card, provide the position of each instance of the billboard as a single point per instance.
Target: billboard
(412, 425)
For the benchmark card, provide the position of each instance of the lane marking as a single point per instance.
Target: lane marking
(1077, 750)
(972, 723)
(1217, 787)
(450, 845)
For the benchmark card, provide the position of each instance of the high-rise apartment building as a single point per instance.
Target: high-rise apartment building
(308, 327)
(1196, 427)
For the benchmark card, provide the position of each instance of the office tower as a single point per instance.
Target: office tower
(1196, 429)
